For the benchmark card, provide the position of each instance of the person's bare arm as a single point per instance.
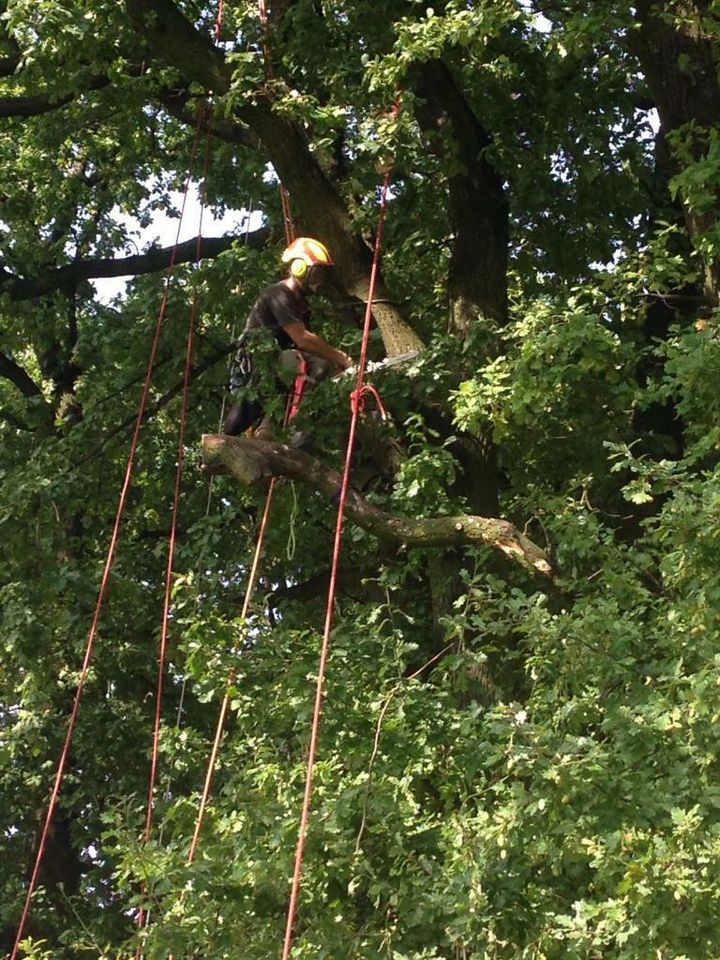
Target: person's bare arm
(311, 343)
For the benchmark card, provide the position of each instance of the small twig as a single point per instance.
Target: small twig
(159, 404)
(378, 733)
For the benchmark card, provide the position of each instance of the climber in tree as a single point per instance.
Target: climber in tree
(283, 310)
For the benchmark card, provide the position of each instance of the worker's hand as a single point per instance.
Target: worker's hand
(346, 364)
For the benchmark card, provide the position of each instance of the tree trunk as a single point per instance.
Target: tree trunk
(317, 203)
(680, 61)
(478, 207)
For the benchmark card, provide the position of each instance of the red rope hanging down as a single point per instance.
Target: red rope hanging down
(189, 353)
(222, 716)
(162, 656)
(110, 558)
(356, 405)
(247, 600)
(291, 410)
(210, 771)
(288, 224)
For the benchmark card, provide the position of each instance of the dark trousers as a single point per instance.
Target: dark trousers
(247, 413)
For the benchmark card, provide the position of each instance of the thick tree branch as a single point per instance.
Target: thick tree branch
(15, 374)
(8, 65)
(33, 106)
(40, 412)
(251, 461)
(67, 278)
(479, 216)
(11, 52)
(356, 584)
(178, 104)
(14, 421)
(174, 38)
(40, 103)
(681, 62)
(10, 62)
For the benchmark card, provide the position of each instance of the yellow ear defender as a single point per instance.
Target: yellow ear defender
(298, 269)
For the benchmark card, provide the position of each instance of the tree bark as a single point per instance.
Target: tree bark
(41, 103)
(681, 61)
(252, 461)
(478, 207)
(17, 375)
(477, 274)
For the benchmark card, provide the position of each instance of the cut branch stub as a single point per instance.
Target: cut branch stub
(251, 461)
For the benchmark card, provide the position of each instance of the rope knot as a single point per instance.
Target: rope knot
(357, 400)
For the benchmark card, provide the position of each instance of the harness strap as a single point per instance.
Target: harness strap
(298, 387)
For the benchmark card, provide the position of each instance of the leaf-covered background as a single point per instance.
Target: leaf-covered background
(510, 766)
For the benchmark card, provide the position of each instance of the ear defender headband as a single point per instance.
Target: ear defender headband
(298, 268)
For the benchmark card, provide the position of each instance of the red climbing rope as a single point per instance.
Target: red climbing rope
(203, 114)
(356, 405)
(222, 715)
(357, 399)
(219, 20)
(162, 656)
(247, 600)
(270, 74)
(110, 557)
(291, 410)
(249, 592)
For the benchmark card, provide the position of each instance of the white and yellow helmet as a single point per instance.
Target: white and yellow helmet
(304, 253)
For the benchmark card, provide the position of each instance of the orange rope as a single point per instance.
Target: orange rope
(356, 405)
(254, 570)
(247, 600)
(219, 20)
(222, 716)
(249, 593)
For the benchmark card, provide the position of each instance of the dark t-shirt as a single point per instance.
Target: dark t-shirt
(274, 308)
